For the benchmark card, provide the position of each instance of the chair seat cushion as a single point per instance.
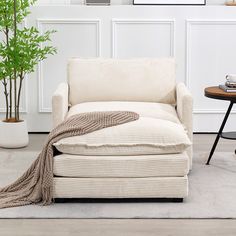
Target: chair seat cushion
(75, 166)
(144, 109)
(158, 131)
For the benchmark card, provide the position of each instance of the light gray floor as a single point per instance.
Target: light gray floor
(36, 142)
(118, 227)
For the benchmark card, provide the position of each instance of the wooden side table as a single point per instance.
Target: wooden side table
(217, 93)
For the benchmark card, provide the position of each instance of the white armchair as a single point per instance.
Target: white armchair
(149, 158)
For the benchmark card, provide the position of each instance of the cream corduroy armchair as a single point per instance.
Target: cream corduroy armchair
(148, 158)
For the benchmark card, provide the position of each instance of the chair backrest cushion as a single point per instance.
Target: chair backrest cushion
(141, 80)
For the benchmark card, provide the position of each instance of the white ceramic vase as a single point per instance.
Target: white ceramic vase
(13, 135)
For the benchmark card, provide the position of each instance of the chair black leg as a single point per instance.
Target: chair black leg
(60, 200)
(116, 200)
(178, 200)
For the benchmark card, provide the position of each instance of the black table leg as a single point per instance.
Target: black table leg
(220, 132)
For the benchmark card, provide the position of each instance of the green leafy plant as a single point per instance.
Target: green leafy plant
(20, 51)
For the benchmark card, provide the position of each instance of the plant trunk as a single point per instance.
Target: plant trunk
(15, 100)
(19, 94)
(10, 98)
(10, 79)
(6, 98)
(15, 74)
(5, 80)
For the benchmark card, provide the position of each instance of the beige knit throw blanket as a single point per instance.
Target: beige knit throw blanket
(36, 184)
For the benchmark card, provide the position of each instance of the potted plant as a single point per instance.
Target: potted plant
(20, 51)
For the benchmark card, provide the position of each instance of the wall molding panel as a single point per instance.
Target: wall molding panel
(146, 22)
(201, 23)
(46, 21)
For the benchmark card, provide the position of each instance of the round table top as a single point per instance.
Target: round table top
(216, 93)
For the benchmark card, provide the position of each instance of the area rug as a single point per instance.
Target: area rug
(212, 193)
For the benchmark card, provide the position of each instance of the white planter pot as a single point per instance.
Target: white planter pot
(13, 135)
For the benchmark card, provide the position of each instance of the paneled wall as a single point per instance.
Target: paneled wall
(200, 38)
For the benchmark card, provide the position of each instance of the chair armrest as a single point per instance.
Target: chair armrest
(60, 104)
(185, 112)
(185, 107)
